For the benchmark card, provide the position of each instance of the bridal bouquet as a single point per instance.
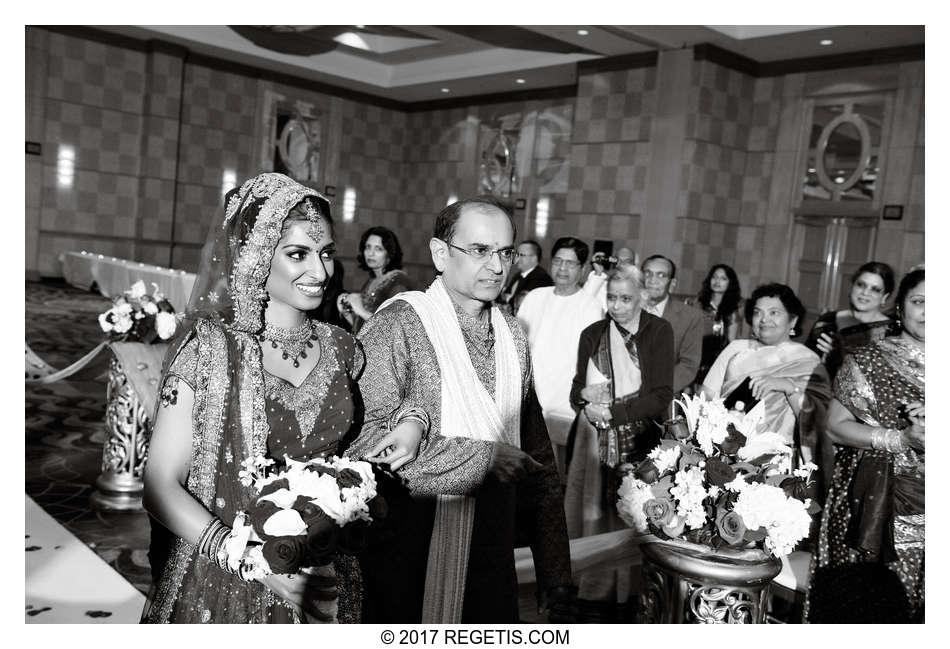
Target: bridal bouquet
(136, 316)
(303, 513)
(720, 483)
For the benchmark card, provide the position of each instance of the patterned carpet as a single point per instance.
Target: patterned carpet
(65, 430)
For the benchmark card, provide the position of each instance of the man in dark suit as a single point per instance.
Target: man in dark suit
(529, 275)
(659, 275)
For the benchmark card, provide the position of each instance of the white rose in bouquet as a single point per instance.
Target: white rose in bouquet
(165, 324)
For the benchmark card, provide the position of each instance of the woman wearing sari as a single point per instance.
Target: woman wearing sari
(381, 256)
(785, 376)
(837, 333)
(622, 386)
(249, 374)
(869, 566)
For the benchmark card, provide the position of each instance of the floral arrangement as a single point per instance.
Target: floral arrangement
(303, 514)
(720, 483)
(136, 316)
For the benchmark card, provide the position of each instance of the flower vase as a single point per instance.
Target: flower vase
(682, 586)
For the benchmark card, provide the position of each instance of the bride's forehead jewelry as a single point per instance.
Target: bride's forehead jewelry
(317, 228)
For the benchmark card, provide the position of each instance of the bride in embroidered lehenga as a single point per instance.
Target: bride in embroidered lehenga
(249, 374)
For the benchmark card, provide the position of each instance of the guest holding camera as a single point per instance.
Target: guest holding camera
(602, 263)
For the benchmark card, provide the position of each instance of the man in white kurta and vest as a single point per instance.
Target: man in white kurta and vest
(553, 317)
(449, 362)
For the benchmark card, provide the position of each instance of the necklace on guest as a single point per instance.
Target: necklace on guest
(294, 342)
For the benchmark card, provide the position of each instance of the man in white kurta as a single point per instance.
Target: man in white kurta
(553, 318)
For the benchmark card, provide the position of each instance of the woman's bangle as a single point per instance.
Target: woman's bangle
(887, 439)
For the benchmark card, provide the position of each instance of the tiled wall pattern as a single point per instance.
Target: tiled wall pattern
(92, 130)
(715, 175)
(142, 180)
(610, 156)
(372, 150)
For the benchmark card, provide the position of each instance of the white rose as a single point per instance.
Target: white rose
(104, 321)
(122, 308)
(165, 324)
(151, 308)
(286, 522)
(137, 290)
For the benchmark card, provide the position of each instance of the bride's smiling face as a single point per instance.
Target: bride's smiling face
(301, 265)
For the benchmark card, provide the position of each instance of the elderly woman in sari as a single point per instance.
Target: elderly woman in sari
(869, 566)
(622, 388)
(785, 376)
(249, 374)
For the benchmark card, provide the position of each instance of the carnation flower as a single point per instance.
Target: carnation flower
(633, 494)
(786, 520)
(122, 324)
(689, 493)
(150, 308)
(665, 460)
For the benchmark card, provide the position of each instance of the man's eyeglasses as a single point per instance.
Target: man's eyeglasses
(568, 263)
(660, 275)
(484, 253)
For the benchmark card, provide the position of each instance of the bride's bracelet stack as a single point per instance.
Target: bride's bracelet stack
(887, 439)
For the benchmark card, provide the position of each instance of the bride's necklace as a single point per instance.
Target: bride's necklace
(294, 342)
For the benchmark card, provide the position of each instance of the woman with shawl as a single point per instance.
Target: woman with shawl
(785, 376)
(251, 375)
(869, 566)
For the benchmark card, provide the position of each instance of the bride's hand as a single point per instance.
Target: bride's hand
(303, 592)
(400, 446)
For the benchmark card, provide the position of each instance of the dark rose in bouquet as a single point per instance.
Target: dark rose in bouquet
(285, 554)
(718, 472)
(647, 471)
(730, 527)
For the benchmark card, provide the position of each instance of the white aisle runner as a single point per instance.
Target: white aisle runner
(66, 582)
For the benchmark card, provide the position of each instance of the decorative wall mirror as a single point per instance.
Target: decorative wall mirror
(498, 166)
(844, 149)
(298, 143)
(291, 137)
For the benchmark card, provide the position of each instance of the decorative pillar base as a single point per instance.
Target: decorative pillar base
(119, 485)
(118, 493)
(681, 587)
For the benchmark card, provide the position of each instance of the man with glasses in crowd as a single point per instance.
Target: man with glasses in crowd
(659, 275)
(526, 276)
(553, 318)
(446, 365)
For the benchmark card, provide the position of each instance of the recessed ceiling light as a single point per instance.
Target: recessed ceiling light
(519, 80)
(359, 26)
(445, 89)
(582, 32)
(827, 41)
